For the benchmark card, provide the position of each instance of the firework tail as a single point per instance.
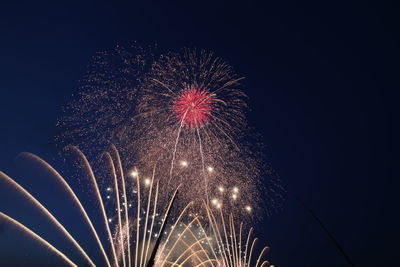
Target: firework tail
(38, 238)
(265, 249)
(233, 239)
(47, 213)
(202, 164)
(118, 207)
(152, 221)
(151, 260)
(147, 219)
(240, 242)
(175, 147)
(66, 186)
(137, 220)
(100, 199)
(247, 243)
(214, 227)
(116, 153)
(226, 237)
(231, 248)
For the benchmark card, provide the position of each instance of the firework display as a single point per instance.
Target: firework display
(197, 236)
(178, 177)
(182, 111)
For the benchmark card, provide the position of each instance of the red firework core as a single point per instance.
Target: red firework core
(193, 107)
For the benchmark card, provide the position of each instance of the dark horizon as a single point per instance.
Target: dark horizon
(322, 85)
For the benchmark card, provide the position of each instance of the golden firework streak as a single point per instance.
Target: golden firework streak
(38, 238)
(48, 214)
(72, 194)
(100, 199)
(125, 200)
(226, 239)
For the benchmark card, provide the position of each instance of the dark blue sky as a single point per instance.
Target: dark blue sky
(323, 91)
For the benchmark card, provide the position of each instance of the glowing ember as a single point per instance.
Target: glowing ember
(193, 107)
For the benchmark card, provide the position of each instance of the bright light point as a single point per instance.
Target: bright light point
(108, 188)
(221, 189)
(184, 163)
(134, 173)
(236, 190)
(219, 205)
(210, 169)
(147, 181)
(109, 220)
(214, 201)
(234, 196)
(108, 197)
(248, 208)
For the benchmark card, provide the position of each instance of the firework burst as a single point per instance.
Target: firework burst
(183, 111)
(190, 118)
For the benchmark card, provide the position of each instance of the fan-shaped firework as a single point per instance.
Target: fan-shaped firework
(188, 240)
(184, 111)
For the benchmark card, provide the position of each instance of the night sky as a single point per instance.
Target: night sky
(322, 83)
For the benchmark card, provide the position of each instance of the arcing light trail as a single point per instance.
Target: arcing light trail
(38, 238)
(185, 240)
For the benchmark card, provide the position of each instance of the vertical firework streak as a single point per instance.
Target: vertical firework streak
(137, 220)
(99, 198)
(205, 255)
(142, 259)
(203, 167)
(121, 240)
(152, 222)
(175, 147)
(118, 158)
